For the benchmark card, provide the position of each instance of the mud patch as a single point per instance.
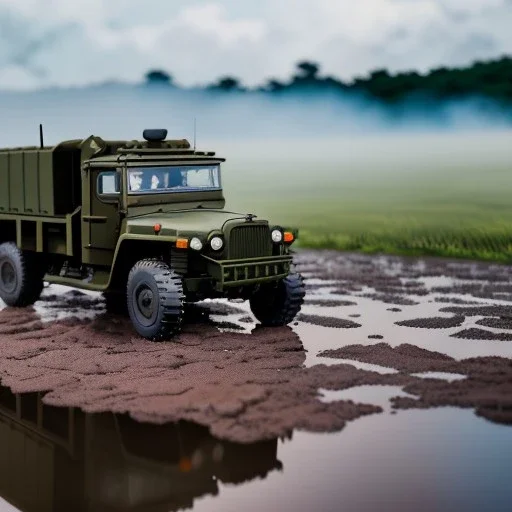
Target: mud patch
(391, 299)
(480, 334)
(487, 388)
(406, 357)
(437, 322)
(496, 323)
(329, 303)
(245, 387)
(328, 321)
(499, 311)
(229, 325)
(495, 291)
(456, 300)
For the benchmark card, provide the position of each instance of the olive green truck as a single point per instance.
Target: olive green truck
(145, 223)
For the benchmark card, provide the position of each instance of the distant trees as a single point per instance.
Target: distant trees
(306, 77)
(307, 70)
(227, 84)
(158, 77)
(492, 79)
(273, 86)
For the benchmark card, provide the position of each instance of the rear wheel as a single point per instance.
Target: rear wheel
(155, 300)
(279, 304)
(21, 276)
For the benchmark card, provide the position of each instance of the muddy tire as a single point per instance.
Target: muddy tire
(116, 302)
(155, 300)
(21, 276)
(280, 303)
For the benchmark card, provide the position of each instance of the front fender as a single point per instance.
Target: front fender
(132, 237)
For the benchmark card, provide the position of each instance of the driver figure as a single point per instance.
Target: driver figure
(135, 181)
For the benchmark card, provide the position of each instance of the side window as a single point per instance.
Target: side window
(108, 183)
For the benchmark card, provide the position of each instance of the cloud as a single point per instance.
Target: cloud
(58, 42)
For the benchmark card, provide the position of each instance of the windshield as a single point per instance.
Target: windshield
(189, 178)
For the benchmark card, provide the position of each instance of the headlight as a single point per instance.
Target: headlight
(196, 244)
(277, 236)
(216, 243)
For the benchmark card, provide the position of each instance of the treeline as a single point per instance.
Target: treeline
(491, 79)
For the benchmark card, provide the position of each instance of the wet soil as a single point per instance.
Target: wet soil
(480, 334)
(327, 321)
(248, 383)
(496, 323)
(434, 322)
(244, 387)
(487, 386)
(329, 303)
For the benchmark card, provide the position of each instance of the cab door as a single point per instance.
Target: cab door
(101, 221)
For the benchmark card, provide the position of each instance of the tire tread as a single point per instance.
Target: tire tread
(32, 273)
(172, 298)
(283, 314)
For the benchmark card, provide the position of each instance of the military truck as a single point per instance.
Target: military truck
(145, 223)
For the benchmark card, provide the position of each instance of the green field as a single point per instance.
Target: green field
(437, 196)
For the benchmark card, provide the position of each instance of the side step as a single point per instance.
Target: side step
(97, 280)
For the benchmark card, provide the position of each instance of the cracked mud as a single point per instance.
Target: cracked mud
(247, 383)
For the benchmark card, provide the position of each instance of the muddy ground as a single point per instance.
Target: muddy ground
(440, 330)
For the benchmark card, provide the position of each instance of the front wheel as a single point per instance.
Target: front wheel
(155, 300)
(280, 303)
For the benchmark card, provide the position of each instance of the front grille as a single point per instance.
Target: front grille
(250, 271)
(249, 241)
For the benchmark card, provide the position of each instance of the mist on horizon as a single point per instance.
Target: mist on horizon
(122, 112)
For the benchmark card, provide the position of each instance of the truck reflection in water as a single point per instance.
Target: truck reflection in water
(61, 459)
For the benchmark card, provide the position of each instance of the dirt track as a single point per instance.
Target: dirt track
(440, 330)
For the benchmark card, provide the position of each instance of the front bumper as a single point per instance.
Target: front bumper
(232, 273)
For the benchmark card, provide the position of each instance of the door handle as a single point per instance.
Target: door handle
(94, 218)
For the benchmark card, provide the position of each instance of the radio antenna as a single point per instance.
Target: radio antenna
(195, 133)
(41, 136)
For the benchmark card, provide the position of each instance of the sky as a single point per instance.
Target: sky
(79, 42)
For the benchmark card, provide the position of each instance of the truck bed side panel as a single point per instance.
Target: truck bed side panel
(46, 183)
(31, 182)
(16, 185)
(4, 182)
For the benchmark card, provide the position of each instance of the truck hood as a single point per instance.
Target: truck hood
(182, 223)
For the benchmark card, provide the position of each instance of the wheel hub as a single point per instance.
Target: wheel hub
(145, 301)
(8, 279)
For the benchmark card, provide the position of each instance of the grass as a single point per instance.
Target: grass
(471, 244)
(447, 210)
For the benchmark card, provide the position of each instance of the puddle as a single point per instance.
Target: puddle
(449, 377)
(440, 281)
(383, 370)
(446, 459)
(376, 318)
(376, 395)
(442, 460)
(57, 459)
